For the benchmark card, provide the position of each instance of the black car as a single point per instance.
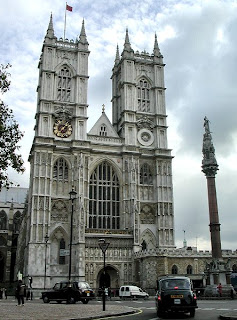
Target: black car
(175, 294)
(71, 292)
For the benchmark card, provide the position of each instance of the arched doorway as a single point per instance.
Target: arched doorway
(109, 279)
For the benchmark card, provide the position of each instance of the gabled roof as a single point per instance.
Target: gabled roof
(103, 121)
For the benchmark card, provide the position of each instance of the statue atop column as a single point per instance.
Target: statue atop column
(209, 163)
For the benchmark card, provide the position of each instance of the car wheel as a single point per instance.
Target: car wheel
(159, 313)
(71, 300)
(46, 299)
(192, 313)
(85, 301)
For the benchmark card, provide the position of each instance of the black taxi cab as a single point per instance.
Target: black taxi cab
(175, 294)
(71, 292)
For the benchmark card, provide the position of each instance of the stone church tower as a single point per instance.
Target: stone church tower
(121, 171)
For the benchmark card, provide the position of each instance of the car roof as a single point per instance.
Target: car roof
(174, 278)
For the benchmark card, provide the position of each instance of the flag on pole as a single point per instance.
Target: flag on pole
(68, 8)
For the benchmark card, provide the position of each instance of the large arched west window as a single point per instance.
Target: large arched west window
(60, 170)
(143, 94)
(104, 198)
(64, 84)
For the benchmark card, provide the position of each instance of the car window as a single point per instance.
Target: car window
(175, 284)
(63, 285)
(127, 289)
(122, 289)
(84, 285)
(57, 286)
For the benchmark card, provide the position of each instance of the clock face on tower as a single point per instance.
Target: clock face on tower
(62, 128)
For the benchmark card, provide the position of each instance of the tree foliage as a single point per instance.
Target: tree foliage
(10, 135)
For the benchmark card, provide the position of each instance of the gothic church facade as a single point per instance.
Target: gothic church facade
(121, 170)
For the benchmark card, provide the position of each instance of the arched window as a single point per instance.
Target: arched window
(62, 245)
(234, 268)
(174, 269)
(103, 130)
(189, 269)
(143, 94)
(60, 170)
(64, 84)
(16, 222)
(3, 220)
(145, 175)
(104, 198)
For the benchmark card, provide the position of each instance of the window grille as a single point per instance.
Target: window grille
(145, 175)
(104, 198)
(60, 170)
(62, 245)
(143, 94)
(64, 84)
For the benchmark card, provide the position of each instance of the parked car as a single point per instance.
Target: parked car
(132, 292)
(175, 294)
(71, 292)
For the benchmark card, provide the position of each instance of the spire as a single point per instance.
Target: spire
(50, 31)
(127, 45)
(82, 37)
(127, 49)
(156, 50)
(103, 108)
(117, 57)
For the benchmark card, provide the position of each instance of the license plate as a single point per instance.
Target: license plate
(177, 301)
(174, 296)
(88, 294)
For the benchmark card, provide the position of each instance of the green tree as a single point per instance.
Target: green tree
(10, 134)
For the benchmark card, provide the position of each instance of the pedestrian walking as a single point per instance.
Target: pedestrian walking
(219, 288)
(20, 293)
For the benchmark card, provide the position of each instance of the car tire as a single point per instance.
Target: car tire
(85, 301)
(71, 300)
(46, 299)
(159, 313)
(192, 313)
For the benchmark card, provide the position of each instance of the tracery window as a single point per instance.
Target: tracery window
(174, 269)
(145, 175)
(3, 220)
(64, 84)
(16, 222)
(103, 130)
(62, 245)
(104, 198)
(60, 170)
(143, 94)
(189, 269)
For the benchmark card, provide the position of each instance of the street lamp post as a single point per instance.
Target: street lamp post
(103, 246)
(46, 238)
(73, 195)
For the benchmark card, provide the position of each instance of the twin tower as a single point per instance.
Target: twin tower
(121, 170)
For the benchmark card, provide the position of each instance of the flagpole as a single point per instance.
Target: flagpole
(65, 22)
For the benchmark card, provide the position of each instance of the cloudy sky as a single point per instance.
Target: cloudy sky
(198, 41)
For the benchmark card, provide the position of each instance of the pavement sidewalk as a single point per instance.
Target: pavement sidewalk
(41, 311)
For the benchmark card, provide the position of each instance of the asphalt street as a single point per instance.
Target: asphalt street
(145, 310)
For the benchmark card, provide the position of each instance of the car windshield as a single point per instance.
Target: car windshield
(175, 284)
(83, 285)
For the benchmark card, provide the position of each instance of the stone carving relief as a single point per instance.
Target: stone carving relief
(59, 211)
(147, 215)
